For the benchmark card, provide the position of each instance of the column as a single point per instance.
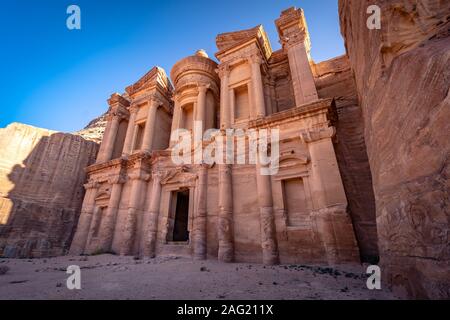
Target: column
(176, 118)
(201, 214)
(91, 239)
(84, 222)
(128, 144)
(149, 132)
(326, 182)
(225, 119)
(109, 140)
(130, 226)
(329, 200)
(294, 37)
(258, 89)
(301, 73)
(225, 221)
(108, 224)
(232, 105)
(267, 219)
(201, 104)
(151, 229)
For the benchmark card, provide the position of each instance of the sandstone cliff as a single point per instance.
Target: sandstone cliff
(41, 189)
(94, 130)
(334, 79)
(402, 74)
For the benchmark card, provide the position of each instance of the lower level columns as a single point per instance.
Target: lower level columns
(268, 230)
(130, 227)
(151, 229)
(201, 214)
(108, 224)
(84, 223)
(225, 223)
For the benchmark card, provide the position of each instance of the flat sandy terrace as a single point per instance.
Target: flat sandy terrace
(171, 277)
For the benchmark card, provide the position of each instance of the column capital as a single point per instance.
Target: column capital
(155, 100)
(134, 108)
(157, 176)
(316, 134)
(91, 185)
(120, 179)
(203, 87)
(139, 176)
(223, 70)
(116, 114)
(255, 59)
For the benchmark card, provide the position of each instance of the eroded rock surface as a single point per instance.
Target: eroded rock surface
(41, 189)
(402, 74)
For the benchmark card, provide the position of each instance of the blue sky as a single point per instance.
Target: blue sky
(60, 79)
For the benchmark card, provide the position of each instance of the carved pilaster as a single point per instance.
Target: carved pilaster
(130, 226)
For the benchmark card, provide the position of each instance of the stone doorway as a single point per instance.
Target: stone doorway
(180, 231)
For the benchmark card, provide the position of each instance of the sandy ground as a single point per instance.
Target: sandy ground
(171, 277)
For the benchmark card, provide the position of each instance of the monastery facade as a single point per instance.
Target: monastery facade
(139, 202)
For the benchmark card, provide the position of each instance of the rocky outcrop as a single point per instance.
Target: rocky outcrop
(94, 130)
(41, 189)
(334, 79)
(402, 74)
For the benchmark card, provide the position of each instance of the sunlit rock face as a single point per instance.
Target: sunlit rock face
(41, 189)
(94, 130)
(402, 75)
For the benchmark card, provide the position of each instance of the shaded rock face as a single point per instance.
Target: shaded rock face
(334, 79)
(41, 189)
(402, 74)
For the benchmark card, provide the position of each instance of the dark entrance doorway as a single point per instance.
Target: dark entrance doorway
(180, 228)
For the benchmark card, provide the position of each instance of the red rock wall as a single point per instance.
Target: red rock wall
(334, 79)
(41, 189)
(402, 74)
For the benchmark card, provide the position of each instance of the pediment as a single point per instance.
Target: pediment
(229, 40)
(156, 77)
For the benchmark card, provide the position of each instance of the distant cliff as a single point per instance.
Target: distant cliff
(94, 130)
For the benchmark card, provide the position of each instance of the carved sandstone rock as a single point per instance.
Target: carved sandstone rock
(94, 130)
(402, 74)
(41, 189)
(334, 79)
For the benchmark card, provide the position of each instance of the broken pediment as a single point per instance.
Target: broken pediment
(156, 77)
(228, 40)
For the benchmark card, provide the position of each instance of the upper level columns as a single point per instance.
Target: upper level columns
(128, 145)
(201, 104)
(294, 37)
(149, 132)
(117, 112)
(177, 113)
(258, 89)
(105, 153)
(225, 111)
(302, 77)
